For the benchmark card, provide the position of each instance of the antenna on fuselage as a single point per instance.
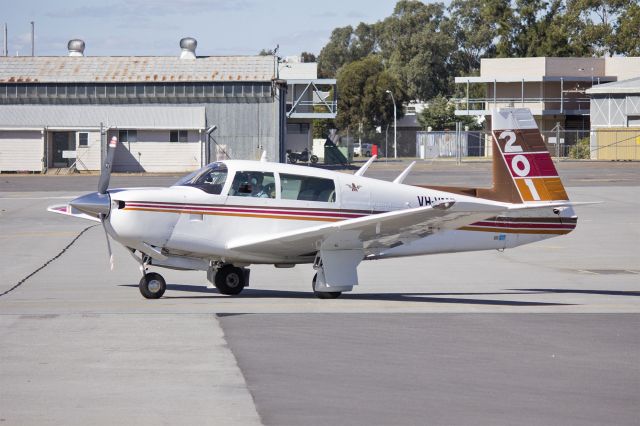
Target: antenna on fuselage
(404, 174)
(365, 166)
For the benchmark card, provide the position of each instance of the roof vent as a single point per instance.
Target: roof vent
(76, 47)
(188, 46)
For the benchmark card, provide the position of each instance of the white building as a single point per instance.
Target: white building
(52, 110)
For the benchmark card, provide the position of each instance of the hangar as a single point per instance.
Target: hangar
(58, 112)
(615, 120)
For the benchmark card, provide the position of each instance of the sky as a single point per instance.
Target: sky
(154, 27)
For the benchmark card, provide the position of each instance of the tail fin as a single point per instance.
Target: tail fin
(525, 171)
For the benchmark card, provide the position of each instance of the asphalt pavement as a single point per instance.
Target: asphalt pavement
(541, 334)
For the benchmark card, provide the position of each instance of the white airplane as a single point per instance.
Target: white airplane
(232, 214)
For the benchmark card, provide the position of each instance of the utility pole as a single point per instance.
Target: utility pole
(6, 41)
(33, 38)
(395, 126)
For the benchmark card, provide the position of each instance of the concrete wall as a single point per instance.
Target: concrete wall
(21, 150)
(623, 67)
(518, 68)
(88, 157)
(154, 153)
(560, 67)
(512, 67)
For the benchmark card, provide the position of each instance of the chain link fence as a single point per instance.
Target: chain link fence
(621, 144)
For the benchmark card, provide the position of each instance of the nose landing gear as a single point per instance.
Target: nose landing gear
(152, 285)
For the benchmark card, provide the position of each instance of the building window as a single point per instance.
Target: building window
(128, 135)
(298, 128)
(83, 139)
(178, 136)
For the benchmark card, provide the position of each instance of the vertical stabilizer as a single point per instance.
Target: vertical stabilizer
(523, 170)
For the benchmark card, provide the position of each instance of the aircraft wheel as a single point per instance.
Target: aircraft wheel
(314, 159)
(152, 285)
(324, 294)
(230, 280)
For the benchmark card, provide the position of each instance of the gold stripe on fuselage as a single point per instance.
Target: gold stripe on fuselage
(263, 216)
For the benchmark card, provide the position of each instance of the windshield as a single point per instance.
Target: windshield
(210, 179)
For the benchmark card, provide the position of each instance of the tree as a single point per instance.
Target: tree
(346, 45)
(599, 20)
(363, 103)
(440, 115)
(417, 44)
(475, 25)
(627, 41)
(266, 52)
(307, 57)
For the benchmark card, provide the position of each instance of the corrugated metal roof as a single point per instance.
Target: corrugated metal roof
(619, 87)
(84, 116)
(134, 69)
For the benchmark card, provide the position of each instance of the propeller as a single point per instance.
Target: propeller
(105, 173)
(98, 204)
(103, 185)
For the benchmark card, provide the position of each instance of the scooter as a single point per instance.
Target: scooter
(294, 157)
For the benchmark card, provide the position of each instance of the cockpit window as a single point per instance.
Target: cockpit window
(253, 184)
(210, 179)
(307, 188)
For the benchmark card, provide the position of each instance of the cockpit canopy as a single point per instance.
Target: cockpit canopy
(210, 178)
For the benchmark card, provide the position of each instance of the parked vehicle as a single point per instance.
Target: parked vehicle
(294, 157)
(363, 149)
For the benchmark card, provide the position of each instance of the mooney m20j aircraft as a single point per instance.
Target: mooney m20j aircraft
(231, 214)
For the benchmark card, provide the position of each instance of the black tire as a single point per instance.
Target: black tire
(230, 280)
(293, 160)
(314, 159)
(368, 153)
(324, 294)
(152, 286)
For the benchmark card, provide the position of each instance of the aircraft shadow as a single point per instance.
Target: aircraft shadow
(249, 293)
(597, 292)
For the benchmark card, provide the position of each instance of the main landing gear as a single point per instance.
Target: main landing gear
(230, 279)
(323, 294)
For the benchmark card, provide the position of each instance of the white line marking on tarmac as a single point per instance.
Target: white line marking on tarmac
(39, 198)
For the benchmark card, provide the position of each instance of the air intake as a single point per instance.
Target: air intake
(76, 47)
(188, 46)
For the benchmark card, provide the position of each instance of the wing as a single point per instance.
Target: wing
(378, 231)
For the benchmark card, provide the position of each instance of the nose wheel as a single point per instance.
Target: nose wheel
(152, 285)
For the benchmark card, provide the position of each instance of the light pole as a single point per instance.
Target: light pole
(395, 123)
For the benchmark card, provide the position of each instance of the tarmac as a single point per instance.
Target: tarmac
(542, 334)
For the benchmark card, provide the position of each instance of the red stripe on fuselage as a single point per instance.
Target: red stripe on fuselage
(195, 208)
